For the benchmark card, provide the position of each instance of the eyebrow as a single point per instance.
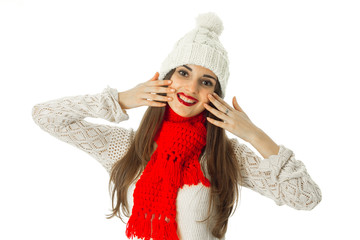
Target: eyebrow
(205, 75)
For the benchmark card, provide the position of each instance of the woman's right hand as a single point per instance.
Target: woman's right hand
(142, 94)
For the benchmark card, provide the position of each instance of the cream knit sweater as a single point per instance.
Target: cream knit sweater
(280, 177)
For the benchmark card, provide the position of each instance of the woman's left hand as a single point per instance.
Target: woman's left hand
(235, 121)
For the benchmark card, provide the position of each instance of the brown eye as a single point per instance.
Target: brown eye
(182, 72)
(209, 83)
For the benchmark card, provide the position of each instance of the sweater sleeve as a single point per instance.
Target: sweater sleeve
(63, 118)
(280, 177)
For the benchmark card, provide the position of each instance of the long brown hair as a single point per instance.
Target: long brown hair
(222, 166)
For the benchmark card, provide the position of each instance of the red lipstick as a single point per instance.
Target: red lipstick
(186, 103)
(189, 97)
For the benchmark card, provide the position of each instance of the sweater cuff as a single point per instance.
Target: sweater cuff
(282, 166)
(115, 94)
(110, 96)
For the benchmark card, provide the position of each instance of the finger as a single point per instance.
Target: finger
(218, 98)
(156, 97)
(218, 104)
(236, 105)
(217, 113)
(155, 104)
(156, 76)
(216, 123)
(159, 90)
(158, 83)
(152, 103)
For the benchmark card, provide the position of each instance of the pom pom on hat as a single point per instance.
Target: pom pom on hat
(210, 21)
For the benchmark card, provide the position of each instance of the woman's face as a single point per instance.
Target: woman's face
(192, 84)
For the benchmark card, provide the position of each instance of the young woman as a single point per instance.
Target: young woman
(177, 176)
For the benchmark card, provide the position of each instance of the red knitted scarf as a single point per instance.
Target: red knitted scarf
(174, 163)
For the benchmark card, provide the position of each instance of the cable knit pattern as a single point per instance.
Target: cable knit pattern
(280, 177)
(63, 118)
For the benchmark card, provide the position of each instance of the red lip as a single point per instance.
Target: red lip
(189, 97)
(183, 102)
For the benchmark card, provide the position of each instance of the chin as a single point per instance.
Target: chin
(182, 113)
(186, 113)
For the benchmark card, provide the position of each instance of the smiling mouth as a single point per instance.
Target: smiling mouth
(186, 101)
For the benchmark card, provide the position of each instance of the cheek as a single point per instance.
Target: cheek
(205, 98)
(175, 85)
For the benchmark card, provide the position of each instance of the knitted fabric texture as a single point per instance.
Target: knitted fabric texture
(174, 163)
(201, 46)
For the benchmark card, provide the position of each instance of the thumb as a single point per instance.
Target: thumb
(155, 77)
(236, 105)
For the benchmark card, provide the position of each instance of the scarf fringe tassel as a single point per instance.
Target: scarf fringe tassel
(140, 228)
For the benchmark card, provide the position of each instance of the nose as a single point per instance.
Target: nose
(192, 86)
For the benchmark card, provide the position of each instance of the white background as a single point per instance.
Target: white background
(294, 68)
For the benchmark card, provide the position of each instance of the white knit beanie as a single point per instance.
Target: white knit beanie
(201, 46)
